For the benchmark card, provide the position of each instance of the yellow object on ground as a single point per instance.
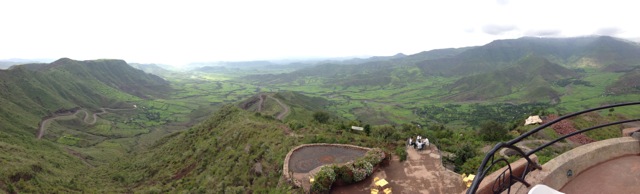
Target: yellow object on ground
(469, 179)
(387, 191)
(382, 183)
(374, 191)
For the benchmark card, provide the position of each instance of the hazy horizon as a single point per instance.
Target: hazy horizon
(178, 33)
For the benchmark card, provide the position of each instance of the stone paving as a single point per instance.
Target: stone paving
(620, 175)
(422, 172)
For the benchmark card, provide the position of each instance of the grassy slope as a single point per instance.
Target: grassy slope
(38, 90)
(531, 75)
(214, 156)
(220, 154)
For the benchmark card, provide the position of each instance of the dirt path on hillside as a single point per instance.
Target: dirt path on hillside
(285, 109)
(261, 96)
(44, 123)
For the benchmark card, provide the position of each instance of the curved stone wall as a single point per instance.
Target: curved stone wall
(555, 172)
(305, 158)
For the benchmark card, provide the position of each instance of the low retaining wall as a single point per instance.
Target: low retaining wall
(554, 173)
(489, 184)
(288, 175)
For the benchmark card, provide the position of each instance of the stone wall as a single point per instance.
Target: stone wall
(288, 175)
(555, 172)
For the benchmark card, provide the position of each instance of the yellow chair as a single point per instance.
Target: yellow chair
(381, 183)
(469, 179)
(387, 191)
(374, 191)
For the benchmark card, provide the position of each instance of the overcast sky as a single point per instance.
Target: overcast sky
(179, 32)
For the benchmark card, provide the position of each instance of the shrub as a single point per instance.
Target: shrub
(321, 117)
(401, 152)
(374, 156)
(363, 164)
(344, 174)
(384, 132)
(358, 174)
(323, 180)
(349, 173)
(295, 125)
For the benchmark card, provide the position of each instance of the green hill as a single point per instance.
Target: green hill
(595, 52)
(29, 93)
(233, 151)
(152, 69)
(599, 52)
(43, 89)
(374, 71)
(532, 75)
(629, 83)
(300, 106)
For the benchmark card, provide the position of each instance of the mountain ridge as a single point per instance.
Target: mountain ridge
(592, 51)
(529, 74)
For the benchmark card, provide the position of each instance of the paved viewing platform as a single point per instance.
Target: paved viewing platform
(422, 172)
(607, 166)
(620, 175)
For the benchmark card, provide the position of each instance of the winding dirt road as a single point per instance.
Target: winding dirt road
(260, 102)
(44, 123)
(285, 109)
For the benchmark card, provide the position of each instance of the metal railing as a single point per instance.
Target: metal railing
(504, 181)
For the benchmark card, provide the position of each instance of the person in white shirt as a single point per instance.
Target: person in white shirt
(426, 141)
(410, 141)
(419, 145)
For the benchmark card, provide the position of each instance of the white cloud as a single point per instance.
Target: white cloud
(498, 29)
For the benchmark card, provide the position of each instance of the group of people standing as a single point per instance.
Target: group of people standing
(420, 143)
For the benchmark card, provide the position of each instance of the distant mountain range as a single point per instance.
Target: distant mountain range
(502, 67)
(6, 63)
(597, 52)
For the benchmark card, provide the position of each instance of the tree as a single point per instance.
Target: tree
(321, 116)
(407, 127)
(493, 131)
(367, 129)
(384, 131)
(462, 154)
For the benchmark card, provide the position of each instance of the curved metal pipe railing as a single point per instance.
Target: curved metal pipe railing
(504, 181)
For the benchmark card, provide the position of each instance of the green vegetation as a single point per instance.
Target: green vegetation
(493, 131)
(205, 131)
(347, 173)
(321, 117)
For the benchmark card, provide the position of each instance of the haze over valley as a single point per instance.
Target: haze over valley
(162, 97)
